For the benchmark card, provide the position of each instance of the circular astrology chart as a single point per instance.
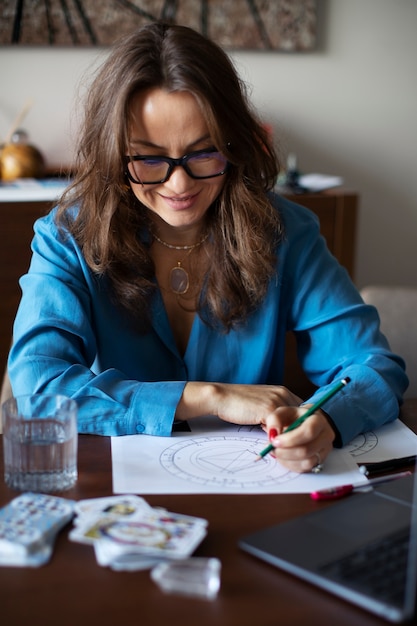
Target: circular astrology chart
(224, 461)
(362, 444)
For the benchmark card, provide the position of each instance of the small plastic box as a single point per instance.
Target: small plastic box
(196, 576)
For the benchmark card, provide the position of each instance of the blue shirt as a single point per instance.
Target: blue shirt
(69, 338)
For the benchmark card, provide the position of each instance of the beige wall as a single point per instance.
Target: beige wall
(349, 108)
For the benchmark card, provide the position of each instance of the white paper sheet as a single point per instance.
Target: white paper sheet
(216, 458)
(394, 440)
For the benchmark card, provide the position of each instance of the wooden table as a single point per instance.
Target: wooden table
(72, 590)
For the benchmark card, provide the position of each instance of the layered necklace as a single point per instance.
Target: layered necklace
(179, 280)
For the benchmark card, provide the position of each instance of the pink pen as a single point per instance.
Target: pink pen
(339, 492)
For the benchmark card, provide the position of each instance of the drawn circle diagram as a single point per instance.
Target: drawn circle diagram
(362, 444)
(224, 461)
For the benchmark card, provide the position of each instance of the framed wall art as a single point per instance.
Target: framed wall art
(281, 25)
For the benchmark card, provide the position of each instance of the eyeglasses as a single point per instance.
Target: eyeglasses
(152, 170)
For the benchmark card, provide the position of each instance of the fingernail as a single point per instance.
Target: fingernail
(272, 433)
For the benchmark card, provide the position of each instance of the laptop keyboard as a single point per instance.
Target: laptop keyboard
(378, 569)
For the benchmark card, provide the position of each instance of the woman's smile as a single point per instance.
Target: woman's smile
(180, 202)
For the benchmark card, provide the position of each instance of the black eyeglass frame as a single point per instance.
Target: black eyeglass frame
(173, 163)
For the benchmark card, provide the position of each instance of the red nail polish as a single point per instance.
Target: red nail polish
(272, 433)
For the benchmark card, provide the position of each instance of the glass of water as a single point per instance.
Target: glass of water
(40, 443)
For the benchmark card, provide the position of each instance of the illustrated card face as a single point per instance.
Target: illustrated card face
(128, 534)
(168, 538)
(90, 531)
(157, 532)
(115, 506)
(94, 514)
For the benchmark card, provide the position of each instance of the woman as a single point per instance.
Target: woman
(163, 286)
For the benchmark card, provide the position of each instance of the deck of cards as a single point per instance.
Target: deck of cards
(128, 534)
(28, 527)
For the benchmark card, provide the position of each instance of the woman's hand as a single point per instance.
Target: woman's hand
(301, 449)
(274, 408)
(237, 404)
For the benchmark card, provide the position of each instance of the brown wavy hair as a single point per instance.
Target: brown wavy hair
(109, 223)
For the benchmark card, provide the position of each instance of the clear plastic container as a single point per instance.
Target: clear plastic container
(196, 576)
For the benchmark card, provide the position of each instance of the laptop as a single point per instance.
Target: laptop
(344, 547)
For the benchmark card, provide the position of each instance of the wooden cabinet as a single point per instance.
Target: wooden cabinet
(16, 228)
(336, 211)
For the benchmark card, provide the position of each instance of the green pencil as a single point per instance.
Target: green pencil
(307, 414)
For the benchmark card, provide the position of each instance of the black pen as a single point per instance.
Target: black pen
(392, 465)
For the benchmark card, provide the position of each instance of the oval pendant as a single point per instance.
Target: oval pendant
(179, 280)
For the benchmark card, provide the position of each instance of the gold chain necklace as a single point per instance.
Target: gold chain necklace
(179, 280)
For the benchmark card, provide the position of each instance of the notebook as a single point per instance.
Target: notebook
(341, 548)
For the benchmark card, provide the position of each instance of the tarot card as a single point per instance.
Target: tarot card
(94, 514)
(113, 506)
(29, 525)
(160, 534)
